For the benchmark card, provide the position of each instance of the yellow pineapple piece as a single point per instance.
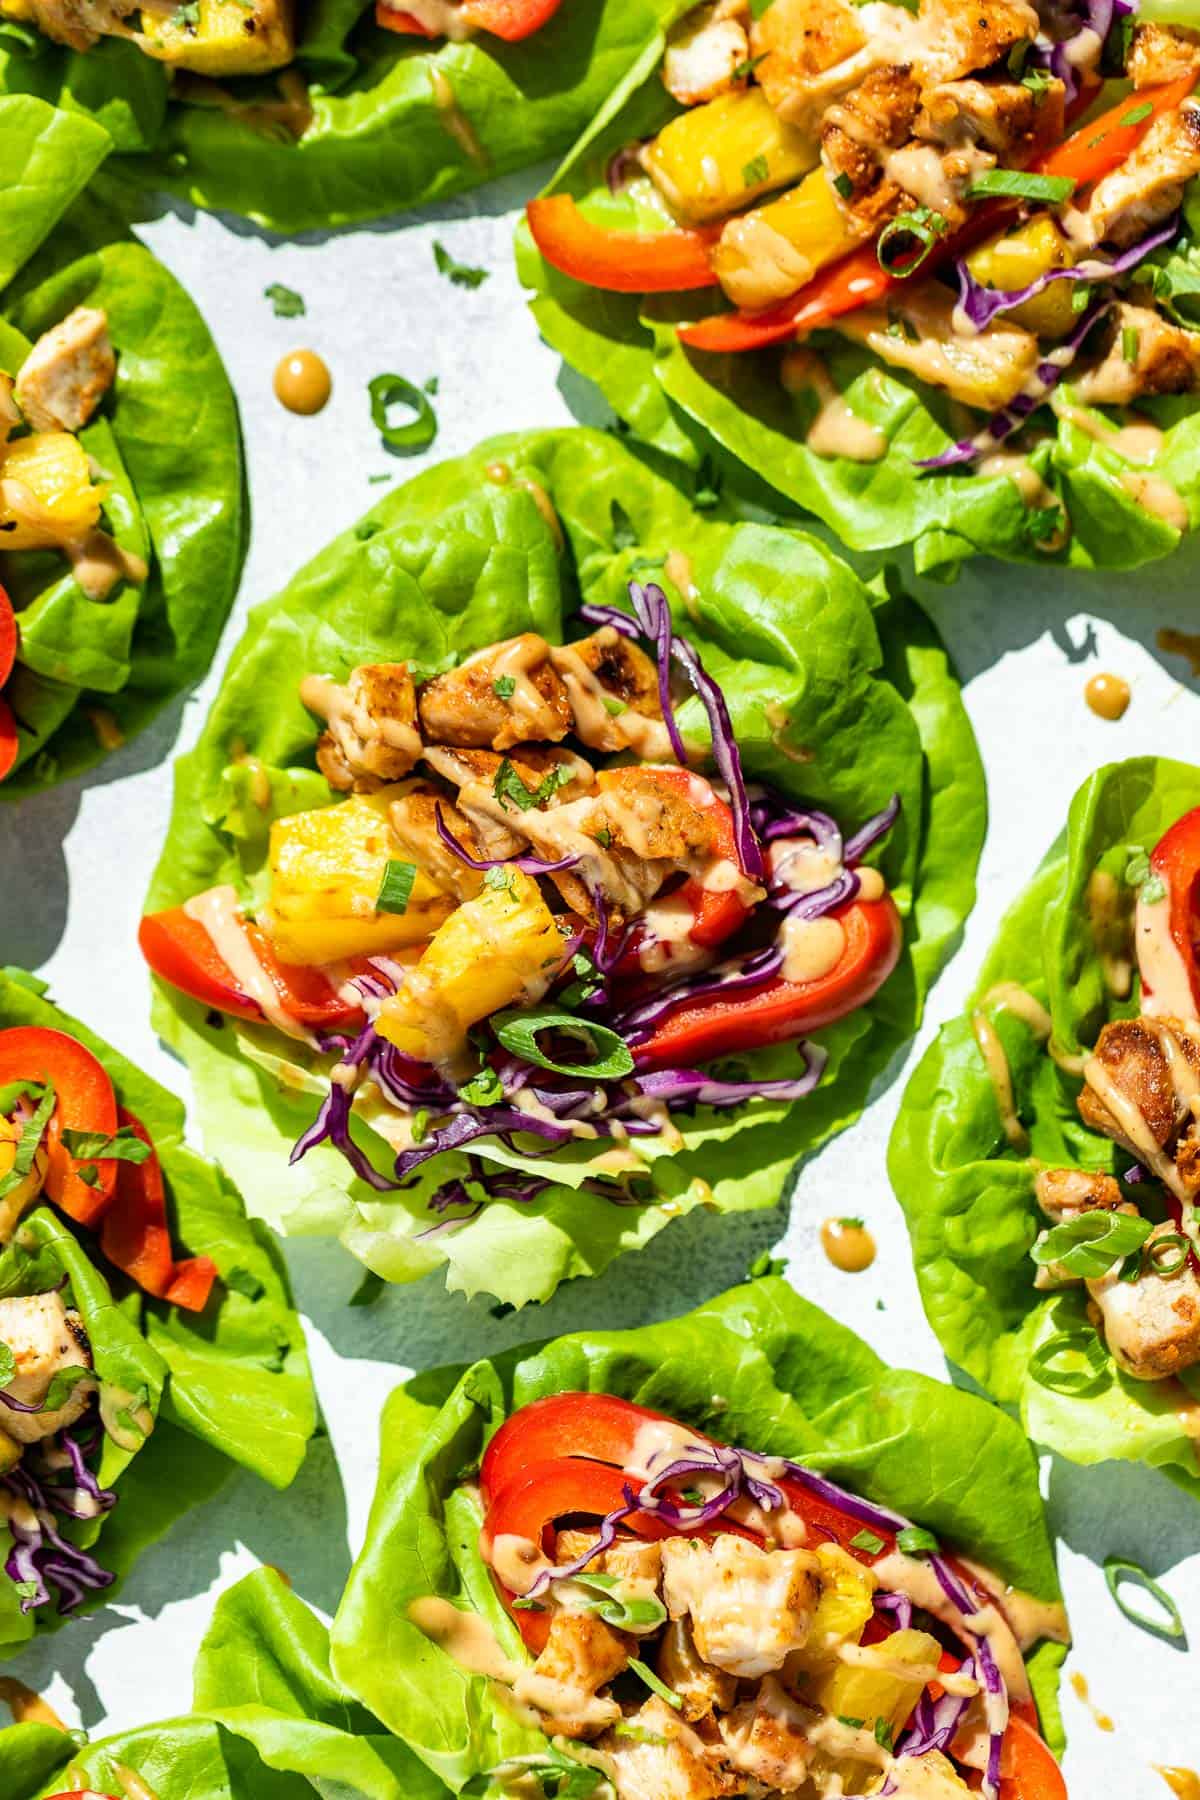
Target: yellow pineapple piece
(884, 1690)
(223, 37)
(326, 869)
(772, 251)
(719, 157)
(495, 951)
(842, 1611)
(53, 498)
(1018, 257)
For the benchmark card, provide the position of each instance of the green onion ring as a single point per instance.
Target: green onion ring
(395, 390)
(1118, 1569)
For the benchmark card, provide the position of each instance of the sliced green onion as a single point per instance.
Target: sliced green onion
(27, 1145)
(395, 890)
(519, 1028)
(98, 1146)
(1170, 1240)
(843, 185)
(1137, 114)
(1091, 1244)
(884, 1732)
(849, 1723)
(914, 1539)
(923, 225)
(756, 171)
(655, 1685)
(1019, 184)
(1118, 1569)
(1093, 1379)
(867, 1540)
(394, 390)
(1131, 339)
(627, 1612)
(483, 1089)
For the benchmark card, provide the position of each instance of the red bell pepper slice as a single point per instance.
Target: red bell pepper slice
(622, 262)
(511, 20)
(1175, 859)
(81, 1794)
(179, 949)
(135, 1237)
(1033, 1773)
(8, 637)
(84, 1101)
(394, 19)
(857, 279)
(697, 1031)
(10, 743)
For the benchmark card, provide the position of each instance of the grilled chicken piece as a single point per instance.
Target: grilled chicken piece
(1065, 1193)
(764, 1737)
(1151, 1325)
(463, 707)
(667, 1760)
(812, 50)
(67, 373)
(633, 1561)
(654, 821)
(702, 1688)
(1166, 359)
(1162, 53)
(749, 1608)
(604, 673)
(1003, 116)
(986, 370)
(703, 51)
(959, 37)
(498, 825)
(859, 130)
(79, 24)
(1146, 188)
(44, 1337)
(413, 819)
(1138, 1057)
(583, 1653)
(372, 737)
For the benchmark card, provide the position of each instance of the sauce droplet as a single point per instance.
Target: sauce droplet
(1101, 1719)
(848, 1245)
(302, 382)
(1107, 695)
(1184, 1783)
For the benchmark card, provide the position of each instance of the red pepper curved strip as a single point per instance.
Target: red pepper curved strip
(10, 743)
(8, 637)
(394, 19)
(81, 1794)
(135, 1237)
(511, 20)
(621, 262)
(857, 280)
(1033, 1773)
(179, 949)
(697, 1031)
(1175, 859)
(84, 1101)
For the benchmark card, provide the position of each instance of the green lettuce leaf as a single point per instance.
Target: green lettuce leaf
(166, 439)
(758, 1366)
(968, 1195)
(689, 403)
(839, 697)
(228, 1386)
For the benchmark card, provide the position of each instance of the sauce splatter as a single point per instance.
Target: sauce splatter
(1108, 696)
(1181, 643)
(848, 1245)
(1079, 1683)
(26, 1707)
(302, 382)
(1183, 1783)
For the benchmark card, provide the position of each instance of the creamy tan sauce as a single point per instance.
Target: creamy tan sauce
(912, 1576)
(628, 730)
(1183, 1783)
(1080, 1687)
(1166, 982)
(470, 1641)
(499, 472)
(26, 1707)
(1138, 442)
(1016, 999)
(109, 735)
(1155, 494)
(292, 112)
(441, 18)
(1028, 483)
(668, 942)
(132, 1785)
(836, 430)
(517, 1562)
(545, 506)
(1180, 643)
(1109, 908)
(812, 948)
(454, 119)
(848, 1245)
(1108, 696)
(1000, 1075)
(116, 1400)
(302, 382)
(1133, 1126)
(678, 571)
(219, 912)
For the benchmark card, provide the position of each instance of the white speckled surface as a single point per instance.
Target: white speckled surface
(76, 863)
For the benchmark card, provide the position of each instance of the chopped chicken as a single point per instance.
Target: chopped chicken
(1137, 1057)
(764, 1737)
(960, 36)
(704, 52)
(507, 694)
(1151, 1325)
(413, 819)
(812, 50)
(659, 1757)
(44, 1337)
(1145, 354)
(938, 179)
(749, 1608)
(500, 828)
(860, 129)
(67, 373)
(702, 1688)
(78, 23)
(1065, 1193)
(10, 412)
(655, 820)
(372, 735)
(583, 1654)
(1161, 53)
(632, 1560)
(1146, 188)
(613, 689)
(987, 369)
(1004, 116)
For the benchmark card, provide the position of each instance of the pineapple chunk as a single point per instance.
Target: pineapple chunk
(53, 499)
(771, 252)
(17, 9)
(495, 951)
(845, 1605)
(719, 157)
(326, 870)
(1018, 257)
(225, 37)
(906, 1661)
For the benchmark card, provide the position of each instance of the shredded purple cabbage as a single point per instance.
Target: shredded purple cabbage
(41, 1559)
(982, 304)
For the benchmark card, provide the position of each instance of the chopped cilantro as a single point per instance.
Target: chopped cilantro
(843, 184)
(868, 1541)
(504, 687)
(508, 786)
(286, 303)
(459, 273)
(1137, 114)
(483, 1089)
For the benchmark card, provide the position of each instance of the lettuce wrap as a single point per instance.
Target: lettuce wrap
(270, 1722)
(968, 1192)
(362, 123)
(837, 697)
(758, 1367)
(758, 408)
(91, 672)
(184, 1395)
